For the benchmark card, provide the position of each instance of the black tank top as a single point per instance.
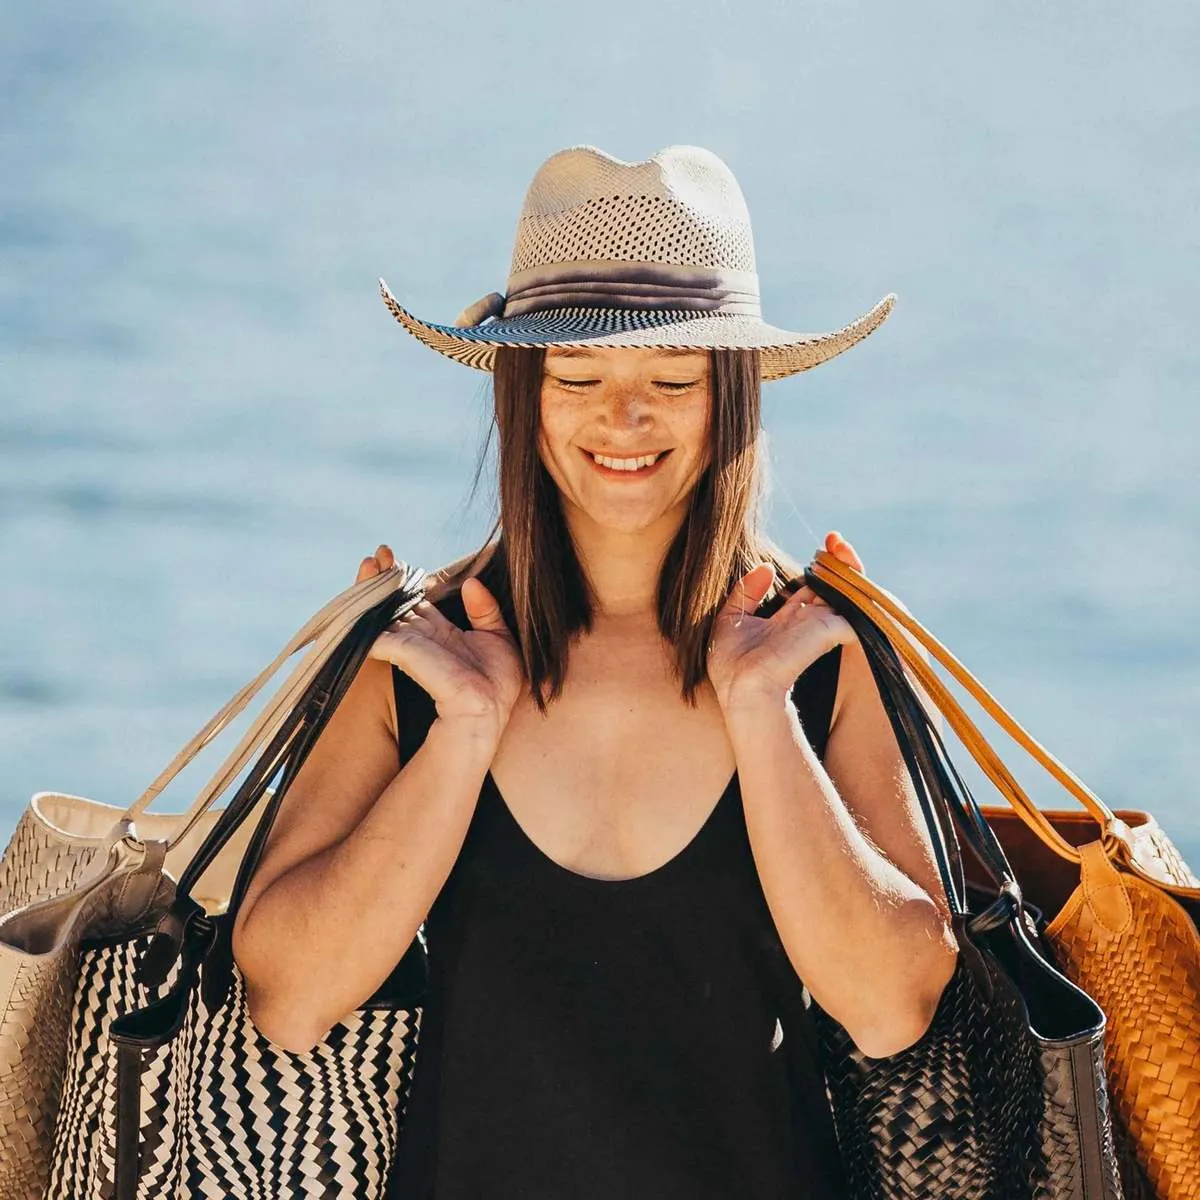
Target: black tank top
(592, 1039)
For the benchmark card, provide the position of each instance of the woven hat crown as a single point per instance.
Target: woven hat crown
(682, 206)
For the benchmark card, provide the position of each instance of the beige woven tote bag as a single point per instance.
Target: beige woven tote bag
(76, 868)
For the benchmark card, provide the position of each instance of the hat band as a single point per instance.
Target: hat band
(604, 283)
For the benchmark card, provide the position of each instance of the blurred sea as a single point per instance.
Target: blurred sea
(207, 417)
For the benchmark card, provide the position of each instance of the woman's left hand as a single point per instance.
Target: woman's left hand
(755, 659)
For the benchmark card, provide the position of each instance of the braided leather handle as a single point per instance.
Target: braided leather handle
(324, 631)
(906, 633)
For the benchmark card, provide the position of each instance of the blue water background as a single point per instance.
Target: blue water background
(207, 417)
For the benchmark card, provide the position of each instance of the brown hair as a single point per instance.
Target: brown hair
(535, 573)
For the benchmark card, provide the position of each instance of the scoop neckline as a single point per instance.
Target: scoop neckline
(622, 883)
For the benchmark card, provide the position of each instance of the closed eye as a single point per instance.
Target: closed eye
(672, 386)
(575, 385)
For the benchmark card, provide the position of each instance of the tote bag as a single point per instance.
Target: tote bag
(1120, 908)
(96, 929)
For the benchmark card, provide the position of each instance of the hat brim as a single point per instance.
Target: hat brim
(781, 353)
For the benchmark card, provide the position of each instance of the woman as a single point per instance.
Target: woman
(656, 809)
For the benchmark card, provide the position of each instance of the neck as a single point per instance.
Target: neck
(623, 567)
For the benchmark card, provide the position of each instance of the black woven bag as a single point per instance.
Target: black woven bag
(1004, 1098)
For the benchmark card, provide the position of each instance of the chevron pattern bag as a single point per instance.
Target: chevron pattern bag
(1121, 909)
(129, 1067)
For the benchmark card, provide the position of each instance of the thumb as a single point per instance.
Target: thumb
(748, 592)
(483, 610)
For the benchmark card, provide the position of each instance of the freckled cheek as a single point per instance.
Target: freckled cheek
(554, 450)
(691, 430)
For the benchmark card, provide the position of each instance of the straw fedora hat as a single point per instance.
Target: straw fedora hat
(652, 253)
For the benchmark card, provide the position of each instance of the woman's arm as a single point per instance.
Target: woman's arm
(360, 851)
(842, 850)
(845, 861)
(357, 858)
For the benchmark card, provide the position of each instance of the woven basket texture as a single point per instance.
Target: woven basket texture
(1147, 981)
(56, 844)
(1002, 1103)
(224, 1112)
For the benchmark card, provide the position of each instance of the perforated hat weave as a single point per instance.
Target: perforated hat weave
(652, 253)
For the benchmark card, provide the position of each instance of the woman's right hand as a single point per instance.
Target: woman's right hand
(474, 676)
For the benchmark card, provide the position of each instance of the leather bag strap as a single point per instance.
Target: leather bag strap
(906, 634)
(282, 758)
(322, 633)
(945, 800)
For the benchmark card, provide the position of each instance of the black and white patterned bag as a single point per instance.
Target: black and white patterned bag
(158, 1086)
(223, 1111)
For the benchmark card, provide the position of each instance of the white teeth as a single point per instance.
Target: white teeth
(626, 464)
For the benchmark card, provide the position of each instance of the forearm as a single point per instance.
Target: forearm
(870, 943)
(326, 933)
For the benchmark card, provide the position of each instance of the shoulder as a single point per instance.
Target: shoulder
(857, 687)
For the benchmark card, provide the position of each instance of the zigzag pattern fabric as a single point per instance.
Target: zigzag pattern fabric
(224, 1112)
(780, 353)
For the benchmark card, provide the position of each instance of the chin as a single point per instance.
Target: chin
(626, 519)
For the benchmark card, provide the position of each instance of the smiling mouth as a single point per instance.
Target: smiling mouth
(632, 466)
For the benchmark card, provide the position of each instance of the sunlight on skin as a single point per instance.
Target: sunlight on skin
(624, 403)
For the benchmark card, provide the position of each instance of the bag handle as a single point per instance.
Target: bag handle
(944, 798)
(323, 631)
(283, 755)
(906, 633)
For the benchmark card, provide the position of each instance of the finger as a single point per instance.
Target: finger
(422, 631)
(806, 594)
(840, 548)
(432, 623)
(747, 594)
(483, 609)
(367, 569)
(416, 653)
(385, 557)
(799, 602)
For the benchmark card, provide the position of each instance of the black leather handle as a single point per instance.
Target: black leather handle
(282, 757)
(911, 734)
(342, 670)
(947, 804)
(297, 735)
(959, 802)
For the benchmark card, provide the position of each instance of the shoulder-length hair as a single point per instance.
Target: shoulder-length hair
(534, 571)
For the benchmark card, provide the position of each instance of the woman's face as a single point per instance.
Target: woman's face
(603, 410)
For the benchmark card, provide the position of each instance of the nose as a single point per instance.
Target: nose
(628, 409)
